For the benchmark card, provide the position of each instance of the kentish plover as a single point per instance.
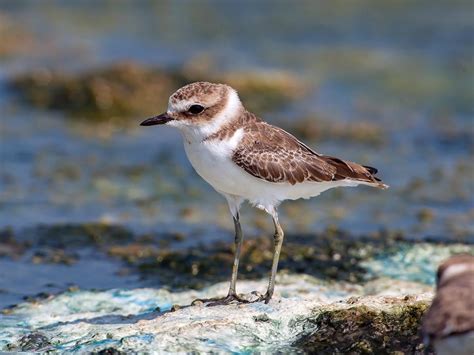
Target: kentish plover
(449, 323)
(246, 159)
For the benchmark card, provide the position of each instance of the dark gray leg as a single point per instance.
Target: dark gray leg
(278, 240)
(238, 247)
(232, 296)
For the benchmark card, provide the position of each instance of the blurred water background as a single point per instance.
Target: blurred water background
(388, 84)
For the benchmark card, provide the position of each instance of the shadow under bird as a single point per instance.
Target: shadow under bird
(449, 323)
(246, 159)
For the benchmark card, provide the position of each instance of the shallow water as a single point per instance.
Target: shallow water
(404, 67)
(413, 81)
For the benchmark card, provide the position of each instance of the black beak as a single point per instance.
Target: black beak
(160, 119)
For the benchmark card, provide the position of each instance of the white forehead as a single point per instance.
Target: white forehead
(181, 105)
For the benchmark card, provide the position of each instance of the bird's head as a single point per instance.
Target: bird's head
(455, 265)
(200, 106)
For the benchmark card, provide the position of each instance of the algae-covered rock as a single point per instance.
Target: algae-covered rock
(33, 341)
(265, 90)
(305, 314)
(115, 93)
(126, 92)
(80, 235)
(368, 326)
(331, 255)
(9, 246)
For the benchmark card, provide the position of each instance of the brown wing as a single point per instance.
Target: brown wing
(272, 154)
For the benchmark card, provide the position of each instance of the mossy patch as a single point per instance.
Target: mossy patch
(72, 235)
(111, 93)
(332, 255)
(364, 329)
(124, 92)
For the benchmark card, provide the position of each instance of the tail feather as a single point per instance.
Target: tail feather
(353, 171)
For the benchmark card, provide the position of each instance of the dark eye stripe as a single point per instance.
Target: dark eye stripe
(195, 109)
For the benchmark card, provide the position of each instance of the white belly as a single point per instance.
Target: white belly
(213, 162)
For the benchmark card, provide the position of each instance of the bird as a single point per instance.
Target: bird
(247, 159)
(449, 322)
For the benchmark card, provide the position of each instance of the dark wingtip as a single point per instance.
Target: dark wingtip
(371, 169)
(374, 171)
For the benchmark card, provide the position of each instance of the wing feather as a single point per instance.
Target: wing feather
(272, 154)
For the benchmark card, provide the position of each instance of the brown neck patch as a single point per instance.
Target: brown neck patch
(228, 130)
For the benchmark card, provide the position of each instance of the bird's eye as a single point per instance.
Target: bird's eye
(195, 109)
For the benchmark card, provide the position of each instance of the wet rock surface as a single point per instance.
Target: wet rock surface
(33, 342)
(332, 255)
(335, 292)
(304, 315)
(59, 254)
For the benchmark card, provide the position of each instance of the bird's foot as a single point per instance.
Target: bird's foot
(231, 298)
(266, 297)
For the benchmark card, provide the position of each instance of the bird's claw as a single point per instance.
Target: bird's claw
(266, 297)
(220, 301)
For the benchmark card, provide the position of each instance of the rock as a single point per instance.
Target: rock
(33, 342)
(80, 235)
(371, 325)
(9, 246)
(114, 92)
(303, 316)
(331, 255)
(110, 351)
(127, 90)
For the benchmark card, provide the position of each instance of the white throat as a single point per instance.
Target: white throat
(195, 133)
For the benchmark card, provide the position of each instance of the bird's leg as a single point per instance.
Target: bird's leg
(238, 246)
(278, 240)
(232, 296)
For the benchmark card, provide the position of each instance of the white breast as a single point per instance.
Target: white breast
(212, 160)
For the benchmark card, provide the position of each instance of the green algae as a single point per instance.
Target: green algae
(332, 255)
(81, 234)
(122, 92)
(9, 245)
(115, 93)
(364, 329)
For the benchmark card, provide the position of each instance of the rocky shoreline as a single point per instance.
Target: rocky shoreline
(307, 315)
(337, 292)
